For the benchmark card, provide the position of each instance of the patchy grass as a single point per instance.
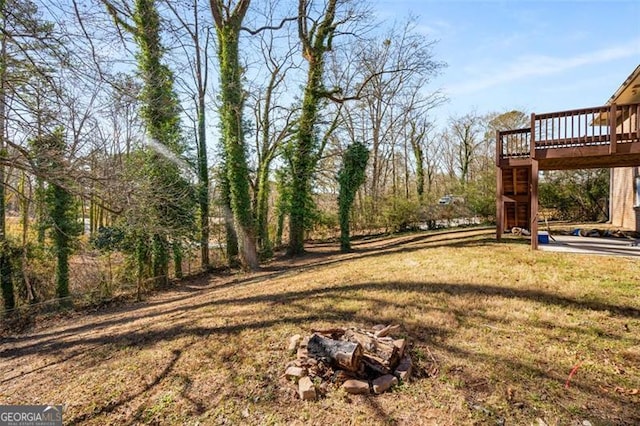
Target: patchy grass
(495, 329)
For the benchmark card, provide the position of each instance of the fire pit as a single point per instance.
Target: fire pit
(360, 361)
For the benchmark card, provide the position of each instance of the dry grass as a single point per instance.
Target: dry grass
(496, 330)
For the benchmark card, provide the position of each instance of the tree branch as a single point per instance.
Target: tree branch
(116, 15)
(270, 27)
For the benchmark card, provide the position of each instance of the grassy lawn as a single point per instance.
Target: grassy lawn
(495, 329)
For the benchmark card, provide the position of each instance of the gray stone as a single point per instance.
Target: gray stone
(295, 373)
(356, 386)
(404, 368)
(306, 389)
(384, 383)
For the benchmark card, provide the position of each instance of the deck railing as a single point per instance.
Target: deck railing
(575, 128)
(568, 128)
(514, 143)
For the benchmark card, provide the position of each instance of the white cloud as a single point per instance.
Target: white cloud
(437, 28)
(528, 66)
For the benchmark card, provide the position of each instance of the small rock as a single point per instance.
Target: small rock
(306, 390)
(302, 353)
(586, 423)
(378, 327)
(401, 344)
(294, 341)
(295, 363)
(323, 389)
(356, 386)
(295, 373)
(383, 383)
(404, 368)
(304, 342)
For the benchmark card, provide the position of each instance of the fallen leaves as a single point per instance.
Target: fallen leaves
(620, 390)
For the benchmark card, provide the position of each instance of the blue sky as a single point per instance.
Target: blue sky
(536, 56)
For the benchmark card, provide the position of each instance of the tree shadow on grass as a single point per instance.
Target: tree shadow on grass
(195, 290)
(113, 405)
(198, 301)
(54, 343)
(295, 311)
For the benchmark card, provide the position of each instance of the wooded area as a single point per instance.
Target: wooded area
(143, 140)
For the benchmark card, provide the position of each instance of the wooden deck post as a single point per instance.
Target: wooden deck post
(499, 205)
(532, 139)
(613, 130)
(499, 189)
(533, 189)
(533, 204)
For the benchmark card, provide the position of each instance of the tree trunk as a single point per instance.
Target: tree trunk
(6, 281)
(232, 99)
(375, 169)
(231, 237)
(297, 215)
(60, 204)
(40, 211)
(419, 172)
(262, 211)
(177, 259)
(201, 77)
(315, 43)
(302, 167)
(24, 211)
(203, 188)
(160, 260)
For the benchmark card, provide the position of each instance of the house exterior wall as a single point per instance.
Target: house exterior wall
(625, 205)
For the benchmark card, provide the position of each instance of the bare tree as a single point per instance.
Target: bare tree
(273, 118)
(466, 134)
(389, 74)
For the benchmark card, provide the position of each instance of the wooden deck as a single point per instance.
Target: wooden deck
(604, 136)
(576, 139)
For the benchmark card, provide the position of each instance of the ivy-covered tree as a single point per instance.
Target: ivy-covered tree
(350, 177)
(283, 202)
(228, 22)
(316, 39)
(61, 208)
(231, 238)
(165, 211)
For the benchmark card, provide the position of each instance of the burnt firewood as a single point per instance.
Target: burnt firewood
(345, 355)
(382, 349)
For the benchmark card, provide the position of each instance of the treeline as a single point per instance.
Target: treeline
(139, 136)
